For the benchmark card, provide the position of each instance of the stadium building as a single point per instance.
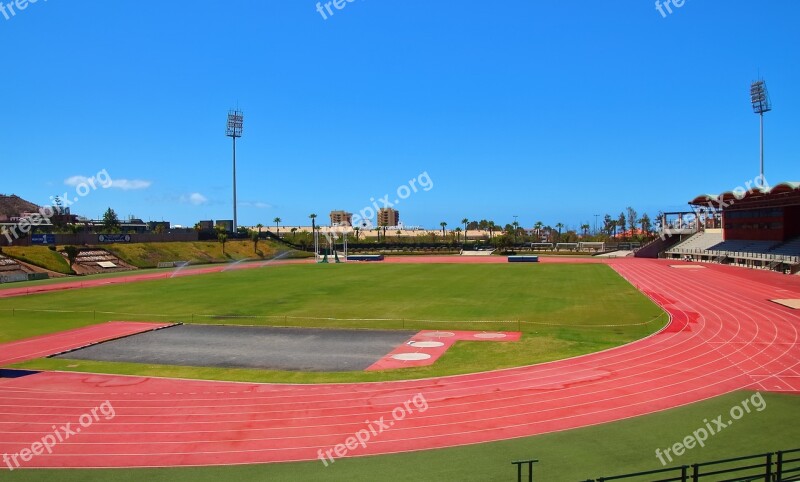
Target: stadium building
(759, 228)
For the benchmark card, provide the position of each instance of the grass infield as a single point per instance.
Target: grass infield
(563, 311)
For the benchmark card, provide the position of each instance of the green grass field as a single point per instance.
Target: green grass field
(39, 256)
(571, 456)
(563, 310)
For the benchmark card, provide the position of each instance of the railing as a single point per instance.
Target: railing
(786, 458)
(782, 466)
(782, 258)
(529, 463)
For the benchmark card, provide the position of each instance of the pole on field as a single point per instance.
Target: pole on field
(529, 463)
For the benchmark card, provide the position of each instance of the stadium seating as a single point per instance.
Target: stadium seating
(743, 246)
(11, 271)
(709, 247)
(789, 248)
(699, 242)
(98, 261)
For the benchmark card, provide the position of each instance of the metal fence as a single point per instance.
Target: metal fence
(782, 466)
(782, 258)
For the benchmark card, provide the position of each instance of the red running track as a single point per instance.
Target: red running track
(724, 335)
(45, 345)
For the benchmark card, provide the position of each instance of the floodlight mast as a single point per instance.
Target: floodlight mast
(234, 130)
(759, 97)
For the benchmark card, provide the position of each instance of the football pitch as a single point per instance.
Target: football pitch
(562, 311)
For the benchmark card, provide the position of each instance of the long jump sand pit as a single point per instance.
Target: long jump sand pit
(295, 349)
(790, 303)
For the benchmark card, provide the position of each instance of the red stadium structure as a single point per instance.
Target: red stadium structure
(760, 228)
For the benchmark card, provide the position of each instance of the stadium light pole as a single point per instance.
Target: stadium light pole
(759, 97)
(234, 130)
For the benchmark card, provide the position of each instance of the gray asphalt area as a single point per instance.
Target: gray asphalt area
(295, 349)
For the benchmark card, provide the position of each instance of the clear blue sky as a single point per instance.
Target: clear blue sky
(552, 111)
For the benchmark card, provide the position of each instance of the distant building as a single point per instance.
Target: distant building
(163, 226)
(341, 218)
(206, 225)
(388, 217)
(226, 224)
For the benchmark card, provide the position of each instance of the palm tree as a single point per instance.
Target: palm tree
(516, 229)
(357, 231)
(254, 238)
(277, 222)
(458, 234)
(313, 222)
(259, 226)
(443, 225)
(585, 228)
(559, 226)
(222, 237)
(539, 225)
(465, 222)
(491, 226)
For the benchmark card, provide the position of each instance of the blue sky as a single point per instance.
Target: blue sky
(552, 111)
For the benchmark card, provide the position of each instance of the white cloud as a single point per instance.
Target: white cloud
(259, 205)
(194, 198)
(124, 184)
(75, 180)
(130, 184)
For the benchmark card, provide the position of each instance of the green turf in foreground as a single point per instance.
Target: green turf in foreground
(563, 311)
(572, 456)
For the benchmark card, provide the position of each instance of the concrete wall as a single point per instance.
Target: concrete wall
(93, 239)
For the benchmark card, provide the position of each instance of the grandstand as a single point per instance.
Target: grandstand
(11, 270)
(92, 261)
(701, 241)
(760, 229)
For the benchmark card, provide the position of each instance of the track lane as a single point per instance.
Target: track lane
(723, 337)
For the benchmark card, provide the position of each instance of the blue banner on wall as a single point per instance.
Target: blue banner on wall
(114, 238)
(43, 239)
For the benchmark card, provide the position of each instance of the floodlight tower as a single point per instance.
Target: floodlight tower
(759, 97)
(234, 130)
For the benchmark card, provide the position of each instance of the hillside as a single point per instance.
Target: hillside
(148, 255)
(40, 256)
